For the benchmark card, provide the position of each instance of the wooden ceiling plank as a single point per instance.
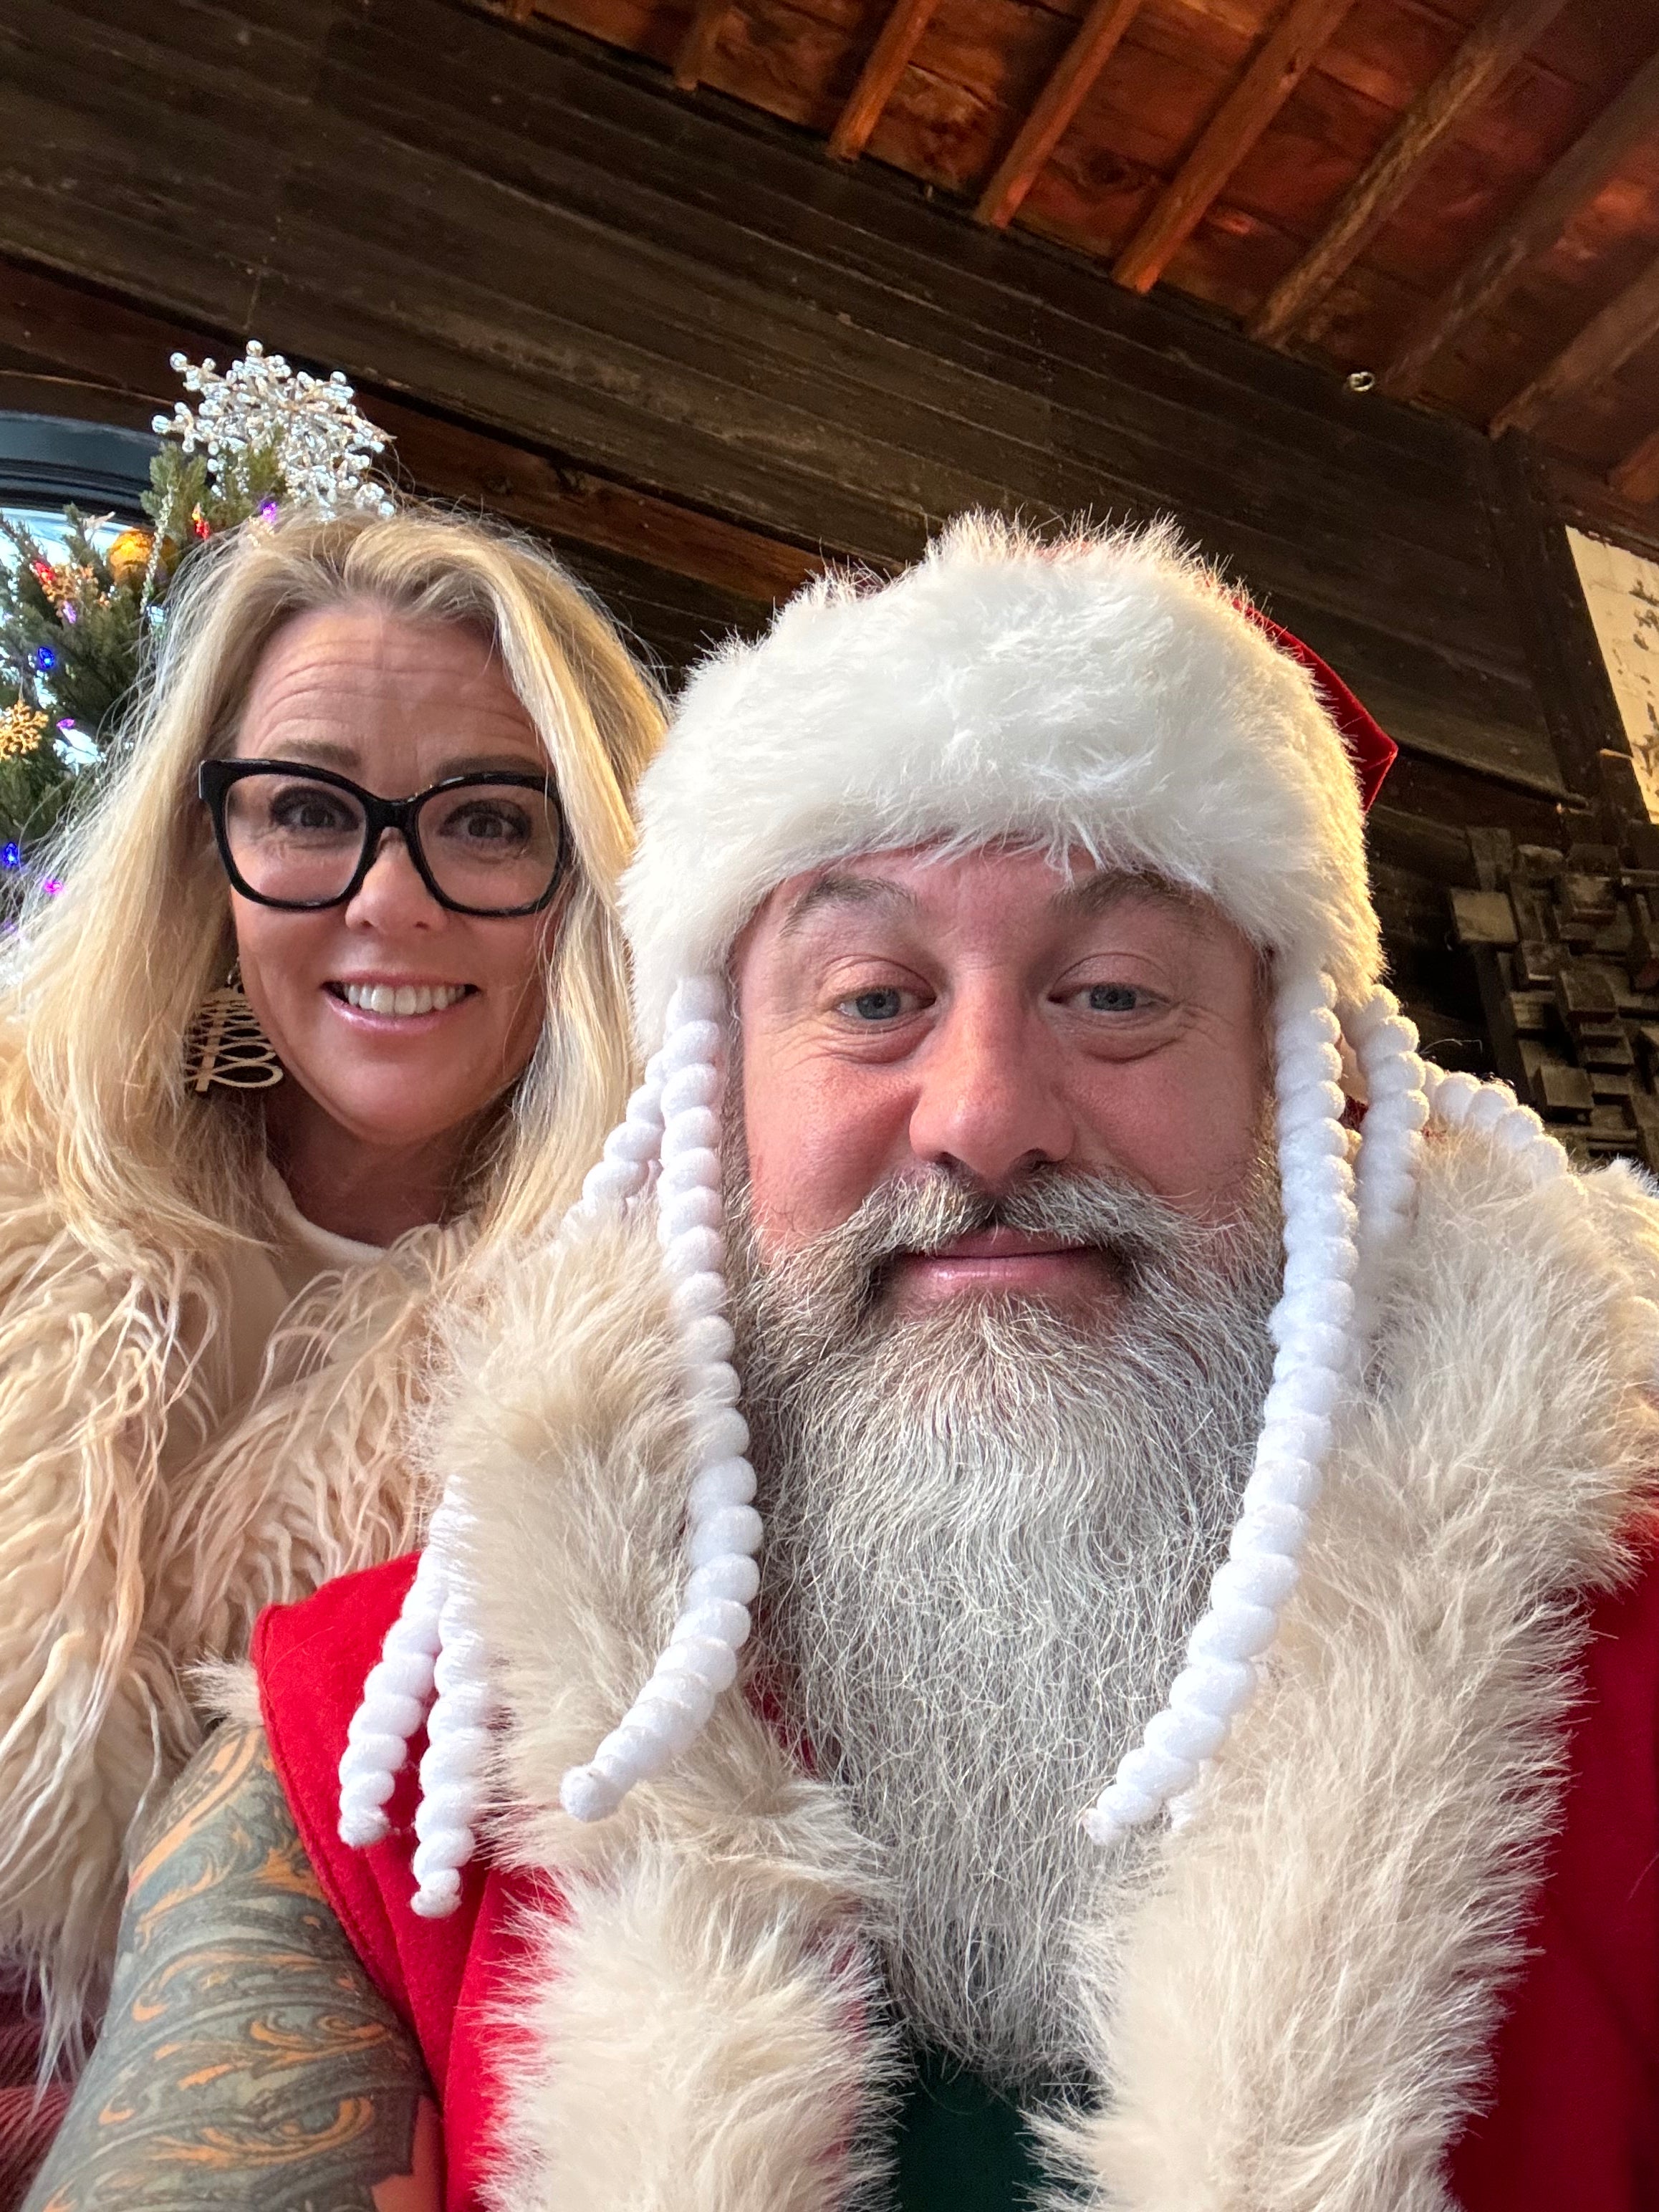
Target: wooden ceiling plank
(889, 57)
(1537, 223)
(697, 48)
(1296, 42)
(1637, 476)
(1622, 328)
(1056, 104)
(1500, 38)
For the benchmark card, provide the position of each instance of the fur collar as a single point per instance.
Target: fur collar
(1276, 2025)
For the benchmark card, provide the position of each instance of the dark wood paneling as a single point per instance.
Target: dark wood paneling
(538, 238)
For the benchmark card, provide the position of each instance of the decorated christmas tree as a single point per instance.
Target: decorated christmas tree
(76, 621)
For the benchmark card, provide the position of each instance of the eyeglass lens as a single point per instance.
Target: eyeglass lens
(490, 845)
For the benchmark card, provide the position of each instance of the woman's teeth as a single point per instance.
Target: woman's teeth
(402, 998)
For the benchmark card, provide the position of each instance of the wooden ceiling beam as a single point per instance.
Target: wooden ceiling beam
(1637, 476)
(1622, 328)
(1051, 114)
(889, 57)
(696, 49)
(1284, 57)
(1492, 48)
(1536, 224)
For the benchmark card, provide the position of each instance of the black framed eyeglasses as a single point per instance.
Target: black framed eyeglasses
(300, 837)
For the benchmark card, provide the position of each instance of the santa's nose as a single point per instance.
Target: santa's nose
(989, 1104)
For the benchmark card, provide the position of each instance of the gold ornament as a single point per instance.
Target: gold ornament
(128, 556)
(22, 728)
(226, 1044)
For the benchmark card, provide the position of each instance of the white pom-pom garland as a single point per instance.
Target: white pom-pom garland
(455, 1767)
(1310, 1372)
(393, 1704)
(1336, 1261)
(624, 1168)
(1391, 1147)
(432, 1648)
(723, 1530)
(1462, 1102)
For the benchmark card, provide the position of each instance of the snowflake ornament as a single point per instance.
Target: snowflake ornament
(22, 728)
(323, 449)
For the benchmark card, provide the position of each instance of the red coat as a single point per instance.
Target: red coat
(1573, 2119)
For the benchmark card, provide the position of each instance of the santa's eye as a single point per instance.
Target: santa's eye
(885, 1003)
(1116, 999)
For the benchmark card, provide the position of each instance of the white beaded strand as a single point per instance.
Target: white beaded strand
(393, 1703)
(432, 1668)
(1385, 1045)
(1311, 1326)
(455, 1767)
(1463, 1101)
(624, 1168)
(723, 1530)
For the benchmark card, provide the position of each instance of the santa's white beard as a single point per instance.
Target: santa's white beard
(991, 1528)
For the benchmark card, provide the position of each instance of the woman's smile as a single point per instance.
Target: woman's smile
(396, 999)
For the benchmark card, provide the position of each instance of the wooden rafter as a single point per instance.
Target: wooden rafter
(1637, 476)
(1056, 104)
(1623, 326)
(889, 58)
(1578, 176)
(1284, 60)
(697, 48)
(1492, 49)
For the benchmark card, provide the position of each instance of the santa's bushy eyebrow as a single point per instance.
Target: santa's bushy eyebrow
(842, 888)
(1099, 892)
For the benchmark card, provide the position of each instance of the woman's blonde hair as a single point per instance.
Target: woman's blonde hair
(146, 1516)
(104, 978)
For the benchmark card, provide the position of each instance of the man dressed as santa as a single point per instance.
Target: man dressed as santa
(1032, 1606)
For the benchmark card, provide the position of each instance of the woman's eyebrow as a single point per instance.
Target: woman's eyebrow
(496, 764)
(349, 759)
(326, 752)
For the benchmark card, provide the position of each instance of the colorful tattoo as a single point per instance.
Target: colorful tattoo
(246, 2059)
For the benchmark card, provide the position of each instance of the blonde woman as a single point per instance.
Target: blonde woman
(331, 1001)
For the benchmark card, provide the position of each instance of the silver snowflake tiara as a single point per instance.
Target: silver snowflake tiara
(324, 447)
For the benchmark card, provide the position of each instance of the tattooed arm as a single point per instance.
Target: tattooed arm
(246, 2058)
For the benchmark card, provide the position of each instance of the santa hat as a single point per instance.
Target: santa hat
(1107, 693)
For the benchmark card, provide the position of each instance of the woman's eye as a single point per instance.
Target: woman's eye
(311, 812)
(488, 823)
(883, 1005)
(1116, 999)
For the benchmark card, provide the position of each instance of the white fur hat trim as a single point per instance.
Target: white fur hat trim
(1107, 693)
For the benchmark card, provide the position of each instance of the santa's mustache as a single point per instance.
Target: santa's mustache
(918, 1213)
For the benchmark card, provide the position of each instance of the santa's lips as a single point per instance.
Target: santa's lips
(1013, 1260)
(401, 1000)
(998, 1244)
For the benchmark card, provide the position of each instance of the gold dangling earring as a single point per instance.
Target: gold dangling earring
(226, 1044)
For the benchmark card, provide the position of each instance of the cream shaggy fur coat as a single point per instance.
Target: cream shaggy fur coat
(154, 1496)
(1293, 2003)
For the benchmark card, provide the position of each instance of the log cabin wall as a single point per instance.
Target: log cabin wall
(662, 329)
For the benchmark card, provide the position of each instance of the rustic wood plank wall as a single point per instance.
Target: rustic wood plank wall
(519, 240)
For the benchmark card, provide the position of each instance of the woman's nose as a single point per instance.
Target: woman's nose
(393, 895)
